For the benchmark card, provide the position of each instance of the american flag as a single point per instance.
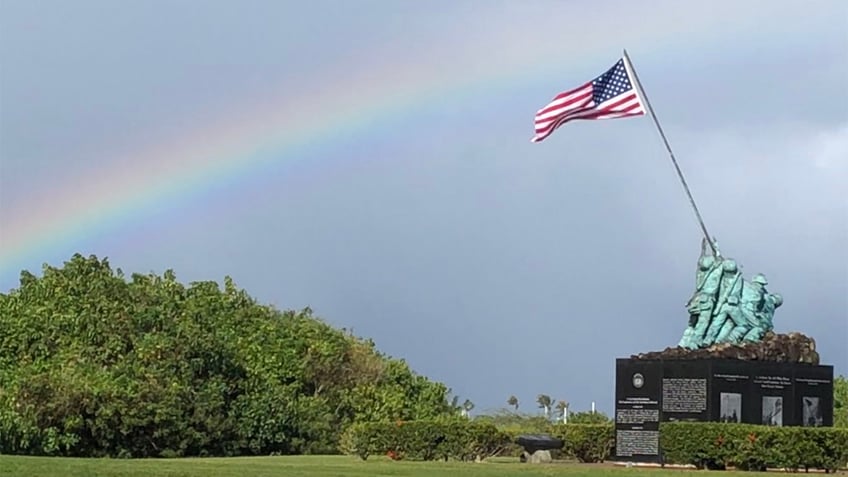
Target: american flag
(608, 96)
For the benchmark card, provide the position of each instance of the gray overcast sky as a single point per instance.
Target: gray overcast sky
(395, 190)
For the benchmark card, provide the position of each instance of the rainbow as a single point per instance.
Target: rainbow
(368, 102)
(372, 103)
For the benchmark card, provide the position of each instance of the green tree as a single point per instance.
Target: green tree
(93, 364)
(513, 401)
(562, 409)
(467, 406)
(545, 403)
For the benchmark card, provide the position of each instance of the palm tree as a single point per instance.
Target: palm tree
(467, 406)
(545, 403)
(562, 407)
(513, 401)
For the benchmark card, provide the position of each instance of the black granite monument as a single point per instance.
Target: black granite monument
(650, 391)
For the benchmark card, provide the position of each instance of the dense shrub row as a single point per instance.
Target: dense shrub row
(464, 439)
(516, 424)
(459, 439)
(586, 442)
(705, 445)
(750, 447)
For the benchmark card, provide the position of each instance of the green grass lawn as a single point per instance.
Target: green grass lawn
(307, 466)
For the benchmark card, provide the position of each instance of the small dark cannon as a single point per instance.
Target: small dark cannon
(537, 447)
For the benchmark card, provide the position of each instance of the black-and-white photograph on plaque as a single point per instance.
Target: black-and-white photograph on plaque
(772, 410)
(731, 407)
(811, 412)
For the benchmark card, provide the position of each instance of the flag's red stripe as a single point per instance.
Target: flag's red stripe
(576, 102)
(552, 128)
(549, 128)
(587, 105)
(554, 105)
(564, 97)
(559, 123)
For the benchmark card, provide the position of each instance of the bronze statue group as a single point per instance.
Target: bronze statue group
(725, 307)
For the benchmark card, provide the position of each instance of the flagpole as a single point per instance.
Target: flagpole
(670, 153)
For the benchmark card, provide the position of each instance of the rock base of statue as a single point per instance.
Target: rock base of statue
(724, 386)
(777, 348)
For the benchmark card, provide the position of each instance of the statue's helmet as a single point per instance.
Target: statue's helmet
(777, 298)
(760, 278)
(729, 265)
(706, 262)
